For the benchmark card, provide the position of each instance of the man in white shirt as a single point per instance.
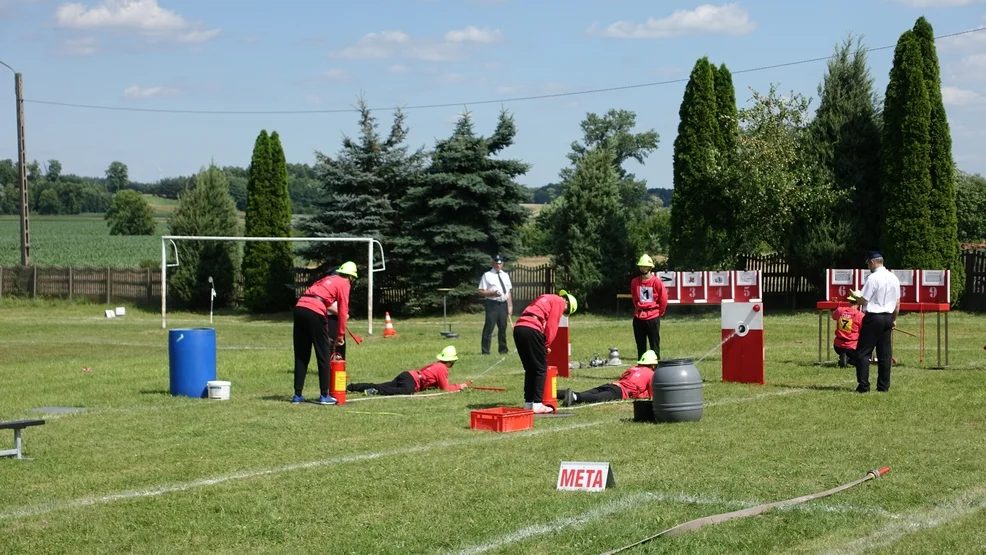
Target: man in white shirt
(880, 301)
(495, 287)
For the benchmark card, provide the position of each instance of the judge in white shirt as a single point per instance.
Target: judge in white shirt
(880, 301)
(495, 287)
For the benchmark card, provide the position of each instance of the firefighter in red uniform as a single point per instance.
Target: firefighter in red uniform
(435, 375)
(635, 383)
(650, 301)
(849, 319)
(311, 329)
(534, 331)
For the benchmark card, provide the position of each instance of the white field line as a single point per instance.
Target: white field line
(637, 499)
(793, 391)
(957, 508)
(184, 486)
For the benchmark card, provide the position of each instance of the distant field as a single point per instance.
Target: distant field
(76, 241)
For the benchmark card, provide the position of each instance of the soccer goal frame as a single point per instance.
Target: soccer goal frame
(369, 251)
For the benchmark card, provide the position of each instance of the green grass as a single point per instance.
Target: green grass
(141, 471)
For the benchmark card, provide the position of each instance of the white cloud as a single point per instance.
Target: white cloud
(454, 45)
(145, 17)
(507, 89)
(938, 3)
(398, 68)
(450, 78)
(728, 19)
(136, 91)
(80, 46)
(474, 34)
(974, 41)
(955, 96)
(336, 75)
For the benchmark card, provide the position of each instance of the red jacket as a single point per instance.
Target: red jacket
(323, 293)
(544, 315)
(649, 296)
(435, 374)
(636, 383)
(850, 318)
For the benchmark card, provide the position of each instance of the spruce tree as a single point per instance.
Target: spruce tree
(695, 157)
(361, 187)
(844, 141)
(906, 160)
(268, 266)
(944, 241)
(465, 208)
(207, 209)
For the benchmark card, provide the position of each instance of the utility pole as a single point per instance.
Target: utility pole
(22, 165)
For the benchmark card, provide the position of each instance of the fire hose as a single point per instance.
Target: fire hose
(752, 511)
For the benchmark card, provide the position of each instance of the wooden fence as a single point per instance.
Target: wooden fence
(143, 286)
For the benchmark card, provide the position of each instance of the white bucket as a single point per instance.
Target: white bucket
(218, 390)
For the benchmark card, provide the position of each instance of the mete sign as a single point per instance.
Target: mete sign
(585, 476)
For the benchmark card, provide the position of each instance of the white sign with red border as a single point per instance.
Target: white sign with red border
(585, 476)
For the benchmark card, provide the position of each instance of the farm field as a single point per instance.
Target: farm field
(141, 471)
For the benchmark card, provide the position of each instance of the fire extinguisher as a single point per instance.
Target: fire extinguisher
(337, 378)
(550, 396)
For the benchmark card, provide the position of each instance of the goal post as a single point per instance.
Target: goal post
(369, 252)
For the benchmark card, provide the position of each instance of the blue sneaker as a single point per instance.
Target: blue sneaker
(370, 391)
(326, 400)
(297, 399)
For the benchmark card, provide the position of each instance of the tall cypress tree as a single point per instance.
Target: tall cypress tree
(695, 155)
(906, 159)
(726, 113)
(267, 266)
(944, 242)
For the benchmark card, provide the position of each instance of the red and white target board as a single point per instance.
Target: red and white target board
(934, 286)
(719, 287)
(839, 283)
(749, 286)
(908, 284)
(693, 289)
(671, 281)
(743, 345)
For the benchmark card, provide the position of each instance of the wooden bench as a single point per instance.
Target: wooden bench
(17, 426)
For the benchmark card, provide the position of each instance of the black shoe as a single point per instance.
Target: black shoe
(861, 389)
(504, 352)
(569, 398)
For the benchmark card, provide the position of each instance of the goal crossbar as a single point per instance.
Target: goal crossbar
(369, 251)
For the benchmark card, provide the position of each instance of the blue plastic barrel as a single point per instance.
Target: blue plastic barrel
(191, 361)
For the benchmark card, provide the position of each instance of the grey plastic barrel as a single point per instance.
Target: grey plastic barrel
(677, 387)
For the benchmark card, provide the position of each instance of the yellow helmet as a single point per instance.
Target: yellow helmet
(573, 305)
(649, 357)
(448, 354)
(347, 268)
(646, 260)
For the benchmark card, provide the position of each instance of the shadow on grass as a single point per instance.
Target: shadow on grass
(840, 388)
(479, 406)
(154, 392)
(281, 398)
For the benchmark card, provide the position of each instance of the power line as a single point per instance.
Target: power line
(459, 104)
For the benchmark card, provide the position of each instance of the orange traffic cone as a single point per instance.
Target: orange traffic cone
(388, 328)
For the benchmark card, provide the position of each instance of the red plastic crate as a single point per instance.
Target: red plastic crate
(502, 419)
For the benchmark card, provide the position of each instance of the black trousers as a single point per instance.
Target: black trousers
(403, 384)
(876, 333)
(644, 330)
(601, 394)
(496, 315)
(534, 356)
(847, 356)
(332, 324)
(310, 331)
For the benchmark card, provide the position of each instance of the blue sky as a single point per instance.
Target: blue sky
(252, 55)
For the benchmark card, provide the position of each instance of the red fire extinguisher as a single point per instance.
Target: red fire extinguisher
(337, 378)
(550, 396)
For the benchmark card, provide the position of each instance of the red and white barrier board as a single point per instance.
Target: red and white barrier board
(561, 349)
(743, 348)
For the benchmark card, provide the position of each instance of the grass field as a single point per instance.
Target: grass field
(141, 471)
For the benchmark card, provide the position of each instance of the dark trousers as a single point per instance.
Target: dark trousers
(403, 384)
(534, 356)
(875, 332)
(310, 331)
(644, 330)
(601, 394)
(332, 324)
(847, 356)
(496, 315)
